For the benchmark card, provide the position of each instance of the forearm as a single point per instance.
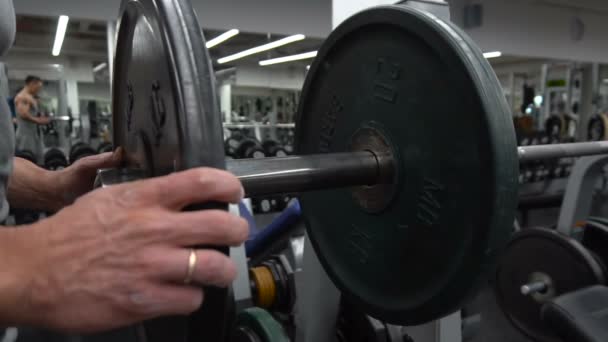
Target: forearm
(29, 117)
(31, 187)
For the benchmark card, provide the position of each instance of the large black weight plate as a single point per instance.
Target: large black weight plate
(166, 118)
(164, 99)
(427, 88)
(535, 254)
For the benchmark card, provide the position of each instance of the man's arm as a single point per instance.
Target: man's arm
(22, 107)
(32, 187)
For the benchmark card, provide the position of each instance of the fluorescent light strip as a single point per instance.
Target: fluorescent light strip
(492, 54)
(60, 35)
(222, 38)
(100, 67)
(262, 48)
(291, 58)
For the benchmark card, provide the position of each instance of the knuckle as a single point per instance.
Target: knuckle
(213, 267)
(240, 230)
(191, 303)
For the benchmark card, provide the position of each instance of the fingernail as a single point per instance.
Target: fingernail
(198, 301)
(242, 196)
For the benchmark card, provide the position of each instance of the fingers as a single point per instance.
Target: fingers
(205, 227)
(180, 189)
(211, 267)
(166, 299)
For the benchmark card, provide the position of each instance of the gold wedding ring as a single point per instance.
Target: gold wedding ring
(191, 266)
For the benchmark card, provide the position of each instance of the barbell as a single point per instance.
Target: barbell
(406, 158)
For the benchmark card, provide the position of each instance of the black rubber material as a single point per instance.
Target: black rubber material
(399, 71)
(569, 265)
(579, 316)
(104, 147)
(79, 151)
(54, 159)
(273, 148)
(250, 148)
(166, 118)
(27, 155)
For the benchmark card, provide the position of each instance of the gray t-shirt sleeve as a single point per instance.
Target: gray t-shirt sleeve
(7, 25)
(7, 139)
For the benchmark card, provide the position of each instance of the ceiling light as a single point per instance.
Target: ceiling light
(100, 67)
(291, 58)
(222, 38)
(60, 35)
(261, 48)
(492, 54)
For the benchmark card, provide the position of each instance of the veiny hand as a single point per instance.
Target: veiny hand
(77, 179)
(120, 254)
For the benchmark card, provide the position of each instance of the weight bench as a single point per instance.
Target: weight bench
(580, 316)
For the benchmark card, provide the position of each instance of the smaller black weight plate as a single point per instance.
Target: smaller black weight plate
(273, 149)
(389, 76)
(54, 159)
(534, 254)
(81, 151)
(554, 125)
(597, 128)
(104, 147)
(27, 155)
(74, 147)
(250, 148)
(231, 145)
(259, 323)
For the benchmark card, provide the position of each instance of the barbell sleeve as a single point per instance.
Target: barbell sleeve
(292, 174)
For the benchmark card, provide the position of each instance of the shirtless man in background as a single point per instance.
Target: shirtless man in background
(28, 136)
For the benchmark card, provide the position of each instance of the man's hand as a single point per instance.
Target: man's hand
(120, 254)
(32, 187)
(43, 120)
(77, 179)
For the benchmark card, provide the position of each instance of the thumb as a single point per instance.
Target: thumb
(102, 161)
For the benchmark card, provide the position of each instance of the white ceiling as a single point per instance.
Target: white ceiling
(309, 17)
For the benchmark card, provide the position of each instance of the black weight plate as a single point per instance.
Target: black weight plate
(81, 151)
(250, 148)
(27, 155)
(104, 147)
(165, 111)
(260, 324)
(54, 153)
(74, 147)
(400, 71)
(596, 128)
(554, 125)
(54, 159)
(166, 118)
(534, 253)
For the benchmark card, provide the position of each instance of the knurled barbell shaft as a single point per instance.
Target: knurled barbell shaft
(294, 174)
